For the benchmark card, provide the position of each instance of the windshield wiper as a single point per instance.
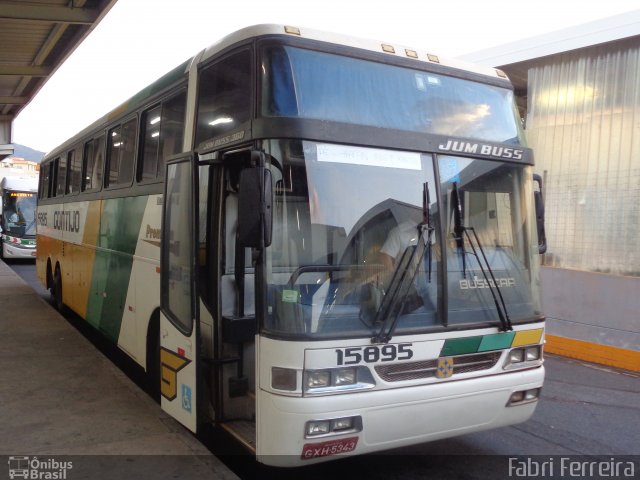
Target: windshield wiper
(459, 232)
(404, 276)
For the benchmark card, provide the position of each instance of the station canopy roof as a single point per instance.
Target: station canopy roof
(36, 36)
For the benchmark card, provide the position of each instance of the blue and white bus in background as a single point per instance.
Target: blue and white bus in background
(18, 199)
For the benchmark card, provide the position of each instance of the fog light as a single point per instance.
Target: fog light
(343, 424)
(516, 356)
(318, 427)
(332, 427)
(532, 353)
(345, 376)
(524, 396)
(318, 379)
(516, 397)
(531, 394)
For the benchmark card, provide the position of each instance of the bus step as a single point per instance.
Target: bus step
(244, 431)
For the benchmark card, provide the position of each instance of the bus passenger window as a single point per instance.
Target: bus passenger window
(61, 165)
(150, 145)
(93, 160)
(162, 136)
(44, 181)
(224, 101)
(121, 153)
(171, 128)
(74, 172)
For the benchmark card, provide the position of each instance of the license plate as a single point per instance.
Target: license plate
(333, 447)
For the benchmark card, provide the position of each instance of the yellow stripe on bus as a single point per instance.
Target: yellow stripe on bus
(83, 259)
(527, 337)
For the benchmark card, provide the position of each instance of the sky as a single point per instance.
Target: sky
(140, 40)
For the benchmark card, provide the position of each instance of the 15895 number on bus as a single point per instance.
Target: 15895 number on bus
(374, 354)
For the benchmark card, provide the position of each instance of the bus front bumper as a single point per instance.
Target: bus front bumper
(391, 418)
(10, 250)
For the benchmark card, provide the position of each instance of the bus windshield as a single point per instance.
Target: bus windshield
(19, 213)
(311, 84)
(345, 228)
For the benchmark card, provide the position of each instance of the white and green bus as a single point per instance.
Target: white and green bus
(324, 245)
(18, 197)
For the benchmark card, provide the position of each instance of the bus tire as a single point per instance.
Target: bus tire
(56, 290)
(153, 357)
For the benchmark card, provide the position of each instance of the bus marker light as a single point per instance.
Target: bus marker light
(433, 58)
(411, 53)
(388, 48)
(292, 30)
(283, 379)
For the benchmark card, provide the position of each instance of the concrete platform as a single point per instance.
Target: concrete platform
(59, 396)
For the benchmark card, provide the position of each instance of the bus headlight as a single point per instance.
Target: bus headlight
(318, 379)
(532, 353)
(524, 357)
(336, 380)
(345, 376)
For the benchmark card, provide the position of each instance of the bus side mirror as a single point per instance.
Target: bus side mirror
(255, 217)
(539, 205)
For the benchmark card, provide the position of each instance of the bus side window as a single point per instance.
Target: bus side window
(92, 164)
(171, 128)
(161, 135)
(53, 179)
(224, 101)
(44, 181)
(61, 166)
(121, 153)
(74, 172)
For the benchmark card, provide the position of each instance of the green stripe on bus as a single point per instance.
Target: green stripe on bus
(460, 346)
(498, 341)
(119, 229)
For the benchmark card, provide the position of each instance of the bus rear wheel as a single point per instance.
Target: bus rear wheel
(56, 290)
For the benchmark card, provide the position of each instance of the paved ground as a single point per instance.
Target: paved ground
(60, 396)
(586, 412)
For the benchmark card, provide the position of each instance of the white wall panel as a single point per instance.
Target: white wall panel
(583, 123)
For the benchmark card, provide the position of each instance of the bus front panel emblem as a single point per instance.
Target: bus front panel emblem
(445, 367)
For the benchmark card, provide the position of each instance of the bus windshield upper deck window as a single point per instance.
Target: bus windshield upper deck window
(311, 84)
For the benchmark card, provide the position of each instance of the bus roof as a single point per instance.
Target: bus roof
(21, 183)
(180, 72)
(346, 40)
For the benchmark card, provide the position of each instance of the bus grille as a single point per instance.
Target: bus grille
(427, 368)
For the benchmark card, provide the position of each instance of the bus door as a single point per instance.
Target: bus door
(179, 317)
(228, 294)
